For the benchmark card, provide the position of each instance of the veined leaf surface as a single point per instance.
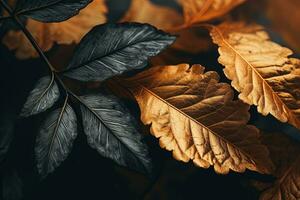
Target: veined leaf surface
(196, 118)
(55, 138)
(260, 70)
(112, 131)
(111, 49)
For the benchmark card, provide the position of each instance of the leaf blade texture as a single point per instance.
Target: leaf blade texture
(48, 34)
(196, 118)
(167, 19)
(55, 139)
(42, 97)
(49, 10)
(196, 11)
(287, 172)
(260, 70)
(112, 49)
(7, 127)
(12, 185)
(280, 23)
(140, 11)
(111, 130)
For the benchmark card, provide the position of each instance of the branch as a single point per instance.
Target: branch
(28, 35)
(39, 50)
(5, 18)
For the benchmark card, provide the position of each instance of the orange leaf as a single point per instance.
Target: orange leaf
(287, 161)
(66, 32)
(286, 25)
(196, 118)
(196, 11)
(260, 70)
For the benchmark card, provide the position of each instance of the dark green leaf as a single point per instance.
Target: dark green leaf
(50, 10)
(42, 97)
(11, 185)
(112, 49)
(55, 139)
(113, 132)
(7, 120)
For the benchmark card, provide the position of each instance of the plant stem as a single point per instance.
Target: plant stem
(34, 44)
(28, 35)
(4, 18)
(6, 7)
(38, 49)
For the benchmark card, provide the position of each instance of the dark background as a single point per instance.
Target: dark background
(85, 174)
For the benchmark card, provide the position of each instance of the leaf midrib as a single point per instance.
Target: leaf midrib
(56, 131)
(114, 51)
(278, 183)
(274, 94)
(291, 168)
(203, 10)
(197, 122)
(103, 122)
(45, 91)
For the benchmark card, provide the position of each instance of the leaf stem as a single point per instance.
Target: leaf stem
(37, 48)
(2, 18)
(28, 35)
(6, 7)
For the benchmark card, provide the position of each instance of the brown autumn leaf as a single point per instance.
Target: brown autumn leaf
(286, 25)
(287, 161)
(196, 11)
(260, 70)
(168, 19)
(197, 119)
(66, 32)
(144, 10)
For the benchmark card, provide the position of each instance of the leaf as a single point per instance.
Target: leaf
(55, 139)
(47, 34)
(42, 97)
(141, 10)
(260, 70)
(196, 11)
(287, 161)
(11, 185)
(285, 25)
(7, 121)
(112, 131)
(169, 20)
(111, 49)
(7, 23)
(49, 10)
(197, 119)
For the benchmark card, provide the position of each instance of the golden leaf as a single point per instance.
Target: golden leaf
(196, 118)
(260, 70)
(168, 19)
(287, 161)
(286, 25)
(196, 11)
(143, 11)
(66, 32)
